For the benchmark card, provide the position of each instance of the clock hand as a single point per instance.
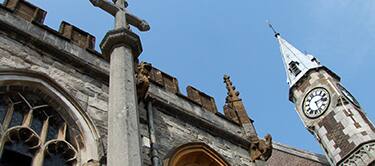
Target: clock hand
(317, 103)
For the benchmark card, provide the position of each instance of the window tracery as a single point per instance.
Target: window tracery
(32, 130)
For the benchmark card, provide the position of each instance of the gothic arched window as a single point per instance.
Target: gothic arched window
(33, 133)
(42, 125)
(195, 154)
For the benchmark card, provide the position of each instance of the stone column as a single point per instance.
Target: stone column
(124, 147)
(122, 47)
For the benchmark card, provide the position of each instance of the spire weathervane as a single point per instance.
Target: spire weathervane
(273, 29)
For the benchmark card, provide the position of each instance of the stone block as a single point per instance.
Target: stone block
(36, 60)
(336, 151)
(164, 80)
(146, 142)
(170, 83)
(98, 104)
(337, 158)
(202, 99)
(50, 38)
(157, 76)
(339, 116)
(121, 37)
(77, 36)
(194, 95)
(26, 10)
(36, 30)
(322, 131)
(350, 129)
(20, 23)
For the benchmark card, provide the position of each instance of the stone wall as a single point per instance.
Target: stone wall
(172, 132)
(22, 55)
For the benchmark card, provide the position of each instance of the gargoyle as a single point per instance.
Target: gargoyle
(143, 79)
(261, 149)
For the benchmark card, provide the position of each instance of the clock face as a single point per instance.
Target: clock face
(348, 95)
(316, 102)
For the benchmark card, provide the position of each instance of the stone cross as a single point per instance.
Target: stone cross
(122, 16)
(122, 47)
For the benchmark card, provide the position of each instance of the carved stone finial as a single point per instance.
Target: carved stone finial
(143, 79)
(234, 108)
(261, 149)
(233, 95)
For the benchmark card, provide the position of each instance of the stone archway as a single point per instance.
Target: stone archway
(195, 154)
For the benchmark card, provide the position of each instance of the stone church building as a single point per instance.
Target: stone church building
(64, 103)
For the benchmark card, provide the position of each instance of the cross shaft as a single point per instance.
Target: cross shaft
(122, 47)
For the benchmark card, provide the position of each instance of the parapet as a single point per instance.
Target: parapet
(170, 84)
(36, 15)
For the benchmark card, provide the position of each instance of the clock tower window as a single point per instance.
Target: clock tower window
(293, 68)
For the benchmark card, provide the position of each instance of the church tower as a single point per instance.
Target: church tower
(327, 109)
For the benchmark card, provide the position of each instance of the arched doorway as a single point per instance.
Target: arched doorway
(195, 154)
(41, 124)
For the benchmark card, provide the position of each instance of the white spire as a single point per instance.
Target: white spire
(296, 63)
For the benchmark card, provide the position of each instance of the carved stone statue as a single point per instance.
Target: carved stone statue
(261, 149)
(143, 79)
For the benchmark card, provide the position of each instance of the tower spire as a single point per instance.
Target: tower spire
(296, 63)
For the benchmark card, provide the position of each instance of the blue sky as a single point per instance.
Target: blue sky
(198, 41)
